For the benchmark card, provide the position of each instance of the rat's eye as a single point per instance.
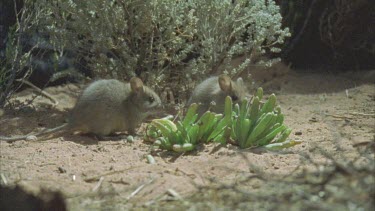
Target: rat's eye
(151, 99)
(234, 97)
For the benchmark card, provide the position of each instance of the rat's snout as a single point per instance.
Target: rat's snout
(159, 104)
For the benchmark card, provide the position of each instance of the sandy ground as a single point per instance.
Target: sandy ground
(333, 112)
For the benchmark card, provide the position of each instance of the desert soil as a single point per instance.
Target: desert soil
(334, 112)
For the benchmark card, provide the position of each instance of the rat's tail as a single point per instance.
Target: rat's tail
(41, 133)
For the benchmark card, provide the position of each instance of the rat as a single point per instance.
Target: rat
(108, 106)
(215, 89)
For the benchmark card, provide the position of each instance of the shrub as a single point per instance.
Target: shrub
(16, 57)
(164, 40)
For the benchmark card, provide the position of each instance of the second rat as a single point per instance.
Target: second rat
(215, 89)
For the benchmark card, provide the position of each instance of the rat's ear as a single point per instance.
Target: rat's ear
(225, 83)
(240, 81)
(136, 85)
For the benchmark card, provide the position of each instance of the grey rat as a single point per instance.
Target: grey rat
(108, 106)
(215, 89)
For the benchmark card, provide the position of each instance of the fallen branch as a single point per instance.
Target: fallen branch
(40, 91)
(361, 114)
(97, 177)
(98, 184)
(139, 189)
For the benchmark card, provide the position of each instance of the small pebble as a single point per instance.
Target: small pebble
(313, 119)
(31, 138)
(130, 139)
(62, 170)
(150, 159)
(298, 133)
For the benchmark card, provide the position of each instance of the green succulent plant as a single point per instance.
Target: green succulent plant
(251, 124)
(185, 134)
(256, 125)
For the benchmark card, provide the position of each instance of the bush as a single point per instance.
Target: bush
(16, 57)
(164, 40)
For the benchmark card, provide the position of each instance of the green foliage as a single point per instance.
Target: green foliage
(258, 125)
(248, 125)
(159, 39)
(187, 133)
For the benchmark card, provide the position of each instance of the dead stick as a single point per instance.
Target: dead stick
(139, 189)
(97, 177)
(98, 185)
(40, 91)
(338, 116)
(361, 114)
